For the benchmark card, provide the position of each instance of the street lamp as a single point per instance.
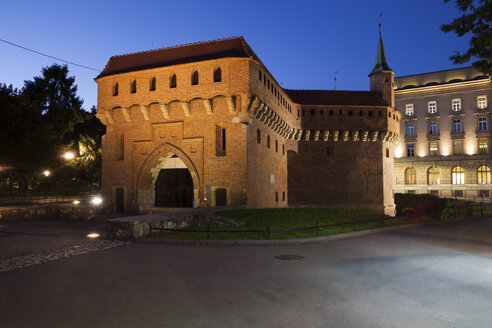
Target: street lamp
(46, 173)
(68, 155)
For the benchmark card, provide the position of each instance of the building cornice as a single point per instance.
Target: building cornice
(442, 86)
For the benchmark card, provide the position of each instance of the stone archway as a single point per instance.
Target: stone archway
(149, 173)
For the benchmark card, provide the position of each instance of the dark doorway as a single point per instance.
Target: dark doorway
(174, 188)
(120, 200)
(220, 197)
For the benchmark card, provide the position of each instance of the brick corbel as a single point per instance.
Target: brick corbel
(164, 110)
(146, 112)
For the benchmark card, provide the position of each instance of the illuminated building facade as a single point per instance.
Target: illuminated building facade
(445, 143)
(207, 124)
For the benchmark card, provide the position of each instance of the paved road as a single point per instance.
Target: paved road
(20, 238)
(435, 276)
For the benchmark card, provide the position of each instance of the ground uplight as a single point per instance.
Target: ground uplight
(96, 201)
(93, 235)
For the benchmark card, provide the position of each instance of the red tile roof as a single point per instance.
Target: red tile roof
(338, 98)
(224, 48)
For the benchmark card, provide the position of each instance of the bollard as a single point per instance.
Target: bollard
(208, 232)
(317, 228)
(354, 224)
(268, 232)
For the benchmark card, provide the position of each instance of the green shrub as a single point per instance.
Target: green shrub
(416, 205)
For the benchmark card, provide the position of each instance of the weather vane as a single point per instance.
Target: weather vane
(380, 15)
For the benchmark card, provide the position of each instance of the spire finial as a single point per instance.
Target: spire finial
(336, 80)
(381, 64)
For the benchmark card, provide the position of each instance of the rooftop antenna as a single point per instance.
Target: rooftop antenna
(336, 80)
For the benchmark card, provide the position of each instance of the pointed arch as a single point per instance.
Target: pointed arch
(115, 89)
(218, 75)
(152, 84)
(173, 81)
(149, 172)
(194, 78)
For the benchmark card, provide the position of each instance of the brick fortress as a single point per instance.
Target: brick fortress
(206, 124)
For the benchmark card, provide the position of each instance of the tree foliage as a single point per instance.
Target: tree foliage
(476, 18)
(38, 123)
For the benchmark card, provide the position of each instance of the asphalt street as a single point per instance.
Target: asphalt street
(433, 276)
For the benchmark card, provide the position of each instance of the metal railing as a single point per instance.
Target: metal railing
(458, 210)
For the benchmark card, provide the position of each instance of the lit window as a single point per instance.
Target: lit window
(410, 129)
(133, 87)
(433, 148)
(433, 127)
(432, 107)
(115, 89)
(194, 78)
(483, 175)
(172, 81)
(410, 176)
(483, 146)
(458, 147)
(409, 109)
(482, 102)
(457, 126)
(456, 105)
(458, 175)
(410, 150)
(482, 124)
(218, 75)
(152, 84)
(433, 176)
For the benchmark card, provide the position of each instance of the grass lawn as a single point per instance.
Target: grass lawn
(282, 218)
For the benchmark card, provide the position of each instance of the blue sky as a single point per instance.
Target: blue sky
(302, 43)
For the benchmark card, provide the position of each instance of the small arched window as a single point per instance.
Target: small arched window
(218, 75)
(433, 176)
(133, 87)
(258, 136)
(268, 141)
(115, 89)
(276, 146)
(410, 176)
(152, 84)
(483, 175)
(458, 175)
(172, 81)
(194, 78)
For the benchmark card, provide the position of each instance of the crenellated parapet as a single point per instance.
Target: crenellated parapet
(266, 115)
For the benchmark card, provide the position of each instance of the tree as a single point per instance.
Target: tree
(476, 18)
(40, 121)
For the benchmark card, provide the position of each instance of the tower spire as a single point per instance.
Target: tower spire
(381, 64)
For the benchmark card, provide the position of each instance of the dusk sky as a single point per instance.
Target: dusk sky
(302, 43)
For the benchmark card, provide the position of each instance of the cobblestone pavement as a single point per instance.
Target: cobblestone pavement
(53, 255)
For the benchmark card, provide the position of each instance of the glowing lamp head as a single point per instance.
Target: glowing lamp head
(96, 201)
(76, 202)
(68, 155)
(46, 173)
(93, 235)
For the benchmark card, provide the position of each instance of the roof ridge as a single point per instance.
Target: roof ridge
(178, 46)
(329, 90)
